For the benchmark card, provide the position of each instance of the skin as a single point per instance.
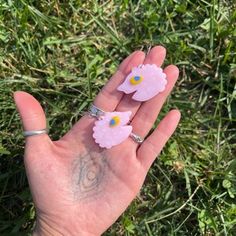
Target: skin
(79, 188)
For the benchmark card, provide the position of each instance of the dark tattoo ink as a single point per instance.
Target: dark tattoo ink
(88, 175)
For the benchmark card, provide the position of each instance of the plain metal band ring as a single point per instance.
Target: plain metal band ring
(34, 132)
(136, 138)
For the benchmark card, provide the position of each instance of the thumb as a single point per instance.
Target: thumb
(32, 117)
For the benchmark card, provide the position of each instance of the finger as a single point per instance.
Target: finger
(109, 96)
(148, 111)
(153, 145)
(155, 56)
(32, 116)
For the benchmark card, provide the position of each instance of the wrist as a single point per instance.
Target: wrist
(46, 228)
(43, 228)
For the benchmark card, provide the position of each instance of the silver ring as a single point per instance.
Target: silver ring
(34, 132)
(95, 112)
(136, 138)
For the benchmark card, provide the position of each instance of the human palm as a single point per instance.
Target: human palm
(79, 188)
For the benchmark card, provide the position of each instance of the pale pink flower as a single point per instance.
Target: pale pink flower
(146, 81)
(112, 129)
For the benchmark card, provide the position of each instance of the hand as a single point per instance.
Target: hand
(79, 188)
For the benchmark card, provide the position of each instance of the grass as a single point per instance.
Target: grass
(63, 52)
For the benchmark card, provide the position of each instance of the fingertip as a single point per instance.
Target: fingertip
(137, 59)
(160, 49)
(169, 123)
(156, 56)
(21, 96)
(17, 95)
(30, 110)
(175, 113)
(140, 53)
(172, 71)
(127, 60)
(175, 116)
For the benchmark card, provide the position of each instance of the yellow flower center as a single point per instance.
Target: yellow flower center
(136, 80)
(115, 120)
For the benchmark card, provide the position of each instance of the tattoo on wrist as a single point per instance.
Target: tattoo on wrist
(88, 175)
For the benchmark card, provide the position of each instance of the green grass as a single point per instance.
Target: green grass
(62, 52)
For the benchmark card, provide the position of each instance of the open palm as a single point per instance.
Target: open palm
(79, 188)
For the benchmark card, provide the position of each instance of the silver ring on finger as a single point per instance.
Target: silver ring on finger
(136, 138)
(95, 112)
(29, 133)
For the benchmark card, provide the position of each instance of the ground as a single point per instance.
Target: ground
(63, 52)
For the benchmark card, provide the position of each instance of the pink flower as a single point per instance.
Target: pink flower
(112, 130)
(146, 81)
